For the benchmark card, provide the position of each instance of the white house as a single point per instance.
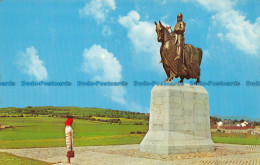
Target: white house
(243, 124)
(220, 123)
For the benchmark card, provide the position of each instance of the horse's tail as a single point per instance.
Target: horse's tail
(199, 55)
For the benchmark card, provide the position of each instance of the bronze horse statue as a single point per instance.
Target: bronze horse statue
(186, 67)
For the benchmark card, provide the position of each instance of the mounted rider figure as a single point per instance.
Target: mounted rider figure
(178, 32)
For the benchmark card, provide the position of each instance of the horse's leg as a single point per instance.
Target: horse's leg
(171, 76)
(198, 80)
(167, 71)
(181, 81)
(167, 79)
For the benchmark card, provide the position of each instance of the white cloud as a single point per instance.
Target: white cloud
(240, 32)
(102, 62)
(217, 5)
(244, 35)
(220, 35)
(30, 63)
(103, 66)
(106, 31)
(143, 36)
(211, 5)
(98, 9)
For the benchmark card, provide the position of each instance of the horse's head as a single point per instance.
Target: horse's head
(160, 30)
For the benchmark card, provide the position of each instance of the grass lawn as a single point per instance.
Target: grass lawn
(31, 132)
(9, 159)
(235, 138)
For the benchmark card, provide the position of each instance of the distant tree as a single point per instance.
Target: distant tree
(69, 115)
(256, 123)
(214, 120)
(32, 111)
(19, 110)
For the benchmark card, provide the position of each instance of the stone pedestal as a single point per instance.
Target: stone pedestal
(179, 121)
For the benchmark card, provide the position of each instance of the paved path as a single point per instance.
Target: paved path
(130, 154)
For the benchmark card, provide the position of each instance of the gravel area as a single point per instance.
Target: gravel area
(130, 154)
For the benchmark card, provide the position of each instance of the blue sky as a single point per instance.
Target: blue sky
(114, 40)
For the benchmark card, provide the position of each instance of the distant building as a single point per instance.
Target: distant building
(228, 122)
(243, 124)
(220, 123)
(227, 126)
(237, 123)
(250, 123)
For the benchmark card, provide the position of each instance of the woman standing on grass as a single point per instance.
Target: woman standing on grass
(69, 138)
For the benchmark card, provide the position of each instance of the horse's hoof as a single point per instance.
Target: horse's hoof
(177, 58)
(169, 79)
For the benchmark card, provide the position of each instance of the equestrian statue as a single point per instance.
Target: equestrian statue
(178, 59)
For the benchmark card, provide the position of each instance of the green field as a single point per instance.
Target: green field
(28, 132)
(31, 132)
(44, 127)
(9, 159)
(236, 138)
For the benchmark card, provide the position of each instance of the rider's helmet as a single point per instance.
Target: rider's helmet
(179, 17)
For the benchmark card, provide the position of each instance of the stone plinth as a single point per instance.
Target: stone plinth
(179, 121)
